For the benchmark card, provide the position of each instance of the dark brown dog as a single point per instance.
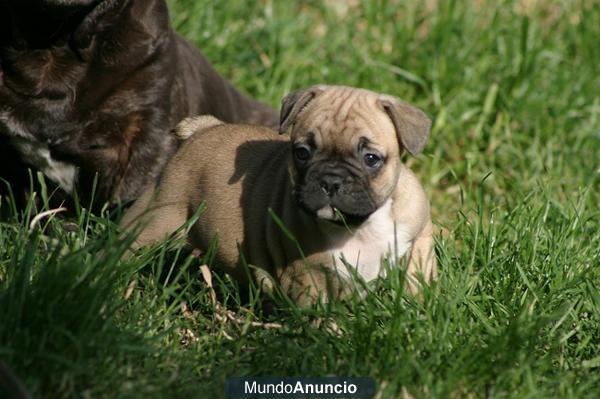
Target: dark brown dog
(94, 86)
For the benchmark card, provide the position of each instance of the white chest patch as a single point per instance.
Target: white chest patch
(37, 154)
(369, 245)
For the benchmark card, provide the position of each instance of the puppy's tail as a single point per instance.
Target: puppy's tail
(189, 126)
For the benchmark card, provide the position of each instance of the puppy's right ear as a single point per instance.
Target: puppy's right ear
(293, 103)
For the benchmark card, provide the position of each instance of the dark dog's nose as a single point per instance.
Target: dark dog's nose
(331, 184)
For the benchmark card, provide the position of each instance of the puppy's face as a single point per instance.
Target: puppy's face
(346, 148)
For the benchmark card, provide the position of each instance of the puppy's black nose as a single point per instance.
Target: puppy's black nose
(330, 184)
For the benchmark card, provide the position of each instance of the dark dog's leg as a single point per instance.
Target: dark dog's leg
(13, 172)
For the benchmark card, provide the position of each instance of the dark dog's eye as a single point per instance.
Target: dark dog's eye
(93, 147)
(302, 153)
(372, 160)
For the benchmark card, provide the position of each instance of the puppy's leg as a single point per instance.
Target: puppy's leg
(307, 283)
(421, 260)
(154, 218)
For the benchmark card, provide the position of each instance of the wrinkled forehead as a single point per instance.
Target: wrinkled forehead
(343, 117)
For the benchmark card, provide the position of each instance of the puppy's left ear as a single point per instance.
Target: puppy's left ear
(411, 124)
(293, 103)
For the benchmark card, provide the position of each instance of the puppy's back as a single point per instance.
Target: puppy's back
(217, 165)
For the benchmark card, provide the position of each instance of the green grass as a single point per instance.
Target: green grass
(512, 169)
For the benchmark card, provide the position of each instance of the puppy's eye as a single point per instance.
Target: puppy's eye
(372, 160)
(302, 153)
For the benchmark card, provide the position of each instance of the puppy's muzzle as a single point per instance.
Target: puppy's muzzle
(335, 193)
(330, 184)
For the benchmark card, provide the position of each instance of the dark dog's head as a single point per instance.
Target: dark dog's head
(37, 24)
(346, 148)
(43, 42)
(74, 77)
